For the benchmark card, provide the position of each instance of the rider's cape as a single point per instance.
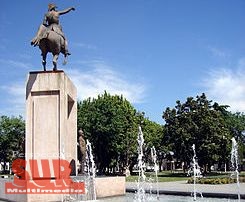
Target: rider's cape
(43, 32)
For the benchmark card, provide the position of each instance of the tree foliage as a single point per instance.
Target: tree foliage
(12, 134)
(154, 137)
(236, 124)
(198, 121)
(111, 125)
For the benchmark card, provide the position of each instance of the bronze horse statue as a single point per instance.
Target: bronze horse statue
(50, 37)
(50, 41)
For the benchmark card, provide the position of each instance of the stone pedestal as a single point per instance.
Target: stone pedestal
(51, 124)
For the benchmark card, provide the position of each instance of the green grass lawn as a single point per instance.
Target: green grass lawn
(167, 176)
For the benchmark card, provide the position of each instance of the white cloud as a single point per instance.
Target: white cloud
(217, 52)
(86, 46)
(241, 63)
(16, 99)
(14, 63)
(227, 86)
(101, 78)
(88, 83)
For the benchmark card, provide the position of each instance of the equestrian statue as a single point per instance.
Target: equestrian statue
(50, 37)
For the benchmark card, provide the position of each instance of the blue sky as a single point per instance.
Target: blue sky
(154, 52)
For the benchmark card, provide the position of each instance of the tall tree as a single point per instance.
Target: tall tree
(154, 137)
(12, 134)
(197, 121)
(236, 124)
(111, 124)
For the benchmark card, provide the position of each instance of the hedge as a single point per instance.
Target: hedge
(224, 180)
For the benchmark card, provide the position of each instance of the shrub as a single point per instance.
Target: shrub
(224, 180)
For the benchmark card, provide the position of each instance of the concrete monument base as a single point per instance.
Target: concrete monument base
(51, 118)
(51, 127)
(51, 133)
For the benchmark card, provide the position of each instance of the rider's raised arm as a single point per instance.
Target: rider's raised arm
(66, 10)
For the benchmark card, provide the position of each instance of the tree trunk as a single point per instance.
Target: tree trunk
(131, 169)
(160, 165)
(185, 167)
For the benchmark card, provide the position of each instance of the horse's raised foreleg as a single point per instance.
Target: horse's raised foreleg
(55, 58)
(44, 56)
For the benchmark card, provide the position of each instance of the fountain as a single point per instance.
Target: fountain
(234, 164)
(88, 177)
(154, 158)
(140, 194)
(196, 173)
(90, 170)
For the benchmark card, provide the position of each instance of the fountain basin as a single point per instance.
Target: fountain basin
(104, 187)
(129, 197)
(110, 186)
(227, 191)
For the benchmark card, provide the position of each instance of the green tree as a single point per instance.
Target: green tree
(197, 121)
(236, 124)
(12, 134)
(109, 123)
(154, 136)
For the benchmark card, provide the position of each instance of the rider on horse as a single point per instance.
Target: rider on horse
(51, 22)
